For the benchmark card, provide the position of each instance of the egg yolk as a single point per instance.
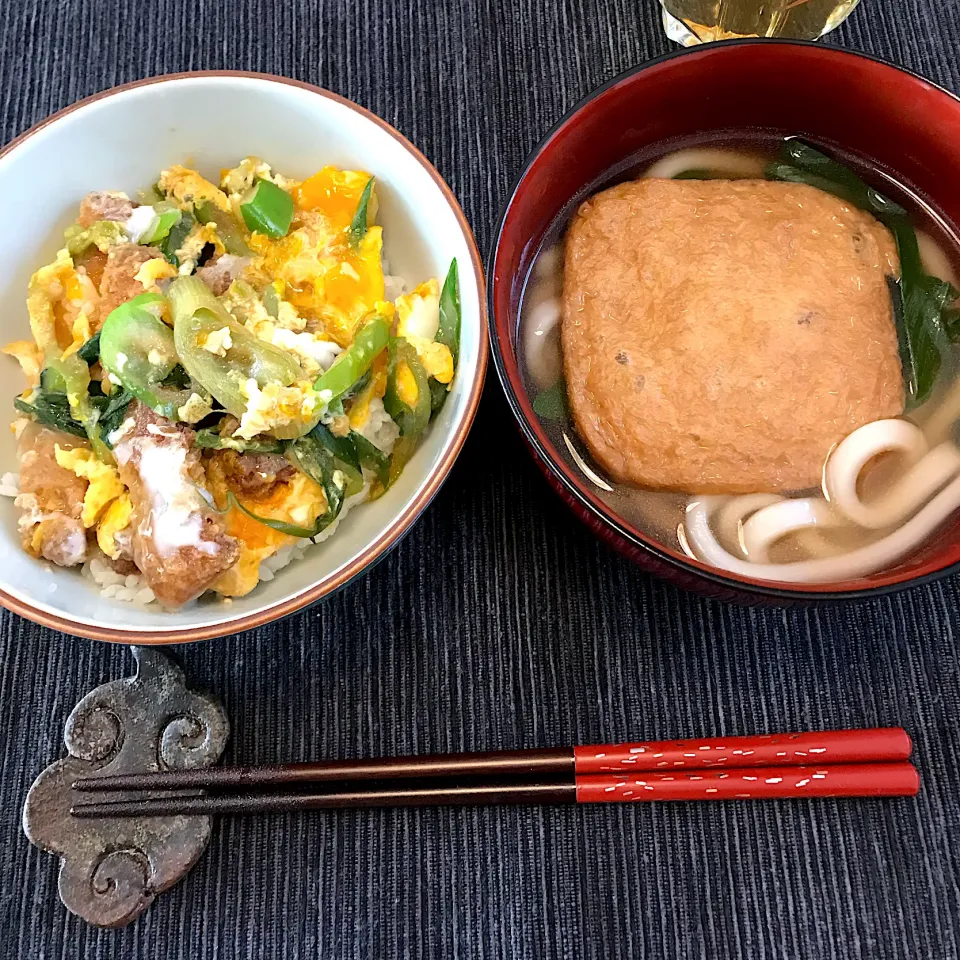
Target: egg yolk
(334, 193)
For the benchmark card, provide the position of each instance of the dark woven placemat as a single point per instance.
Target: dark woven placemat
(499, 622)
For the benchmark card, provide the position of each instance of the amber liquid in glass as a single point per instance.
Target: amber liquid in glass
(731, 19)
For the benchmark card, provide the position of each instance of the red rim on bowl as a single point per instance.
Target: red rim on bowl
(900, 122)
(389, 537)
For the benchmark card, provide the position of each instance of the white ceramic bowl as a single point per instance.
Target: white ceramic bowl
(121, 139)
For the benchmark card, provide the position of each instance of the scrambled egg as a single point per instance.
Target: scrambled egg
(195, 409)
(115, 519)
(436, 357)
(299, 500)
(326, 279)
(359, 411)
(418, 313)
(154, 270)
(197, 239)
(61, 303)
(418, 320)
(335, 194)
(240, 179)
(103, 481)
(187, 187)
(218, 342)
(276, 406)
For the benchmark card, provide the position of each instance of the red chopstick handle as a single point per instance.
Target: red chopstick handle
(775, 749)
(755, 783)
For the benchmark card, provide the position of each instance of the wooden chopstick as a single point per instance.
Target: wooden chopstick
(884, 744)
(841, 780)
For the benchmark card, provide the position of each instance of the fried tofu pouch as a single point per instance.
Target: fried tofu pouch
(179, 540)
(721, 336)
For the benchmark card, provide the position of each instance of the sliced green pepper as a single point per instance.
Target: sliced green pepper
(918, 299)
(167, 216)
(271, 301)
(138, 348)
(268, 210)
(358, 226)
(103, 234)
(450, 315)
(52, 382)
(228, 230)
(197, 313)
(404, 371)
(356, 360)
(76, 378)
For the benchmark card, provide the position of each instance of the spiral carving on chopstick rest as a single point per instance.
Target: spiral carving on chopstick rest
(111, 870)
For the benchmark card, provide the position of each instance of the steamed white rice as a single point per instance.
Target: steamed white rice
(393, 286)
(380, 429)
(116, 586)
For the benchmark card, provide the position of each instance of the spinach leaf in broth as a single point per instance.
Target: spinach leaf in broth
(919, 299)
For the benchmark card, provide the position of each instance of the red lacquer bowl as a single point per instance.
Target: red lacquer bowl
(898, 121)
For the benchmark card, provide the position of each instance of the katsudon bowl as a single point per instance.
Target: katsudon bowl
(120, 140)
(891, 126)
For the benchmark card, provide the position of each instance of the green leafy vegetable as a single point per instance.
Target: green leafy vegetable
(177, 237)
(701, 173)
(372, 458)
(345, 456)
(318, 463)
(438, 395)
(90, 351)
(919, 300)
(358, 226)
(177, 377)
(228, 230)
(52, 410)
(950, 318)
(113, 412)
(551, 404)
(269, 210)
(356, 360)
